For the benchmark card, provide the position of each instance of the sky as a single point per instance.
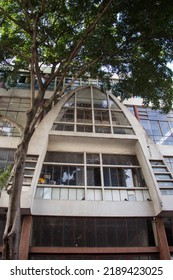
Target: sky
(170, 65)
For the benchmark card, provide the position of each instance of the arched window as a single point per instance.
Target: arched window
(92, 111)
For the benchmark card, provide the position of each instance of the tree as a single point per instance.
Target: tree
(146, 27)
(93, 37)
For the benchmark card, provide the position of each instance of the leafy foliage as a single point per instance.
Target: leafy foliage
(147, 28)
(4, 177)
(132, 39)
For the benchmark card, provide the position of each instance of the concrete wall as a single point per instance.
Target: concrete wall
(44, 139)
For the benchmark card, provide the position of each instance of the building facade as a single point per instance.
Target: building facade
(98, 181)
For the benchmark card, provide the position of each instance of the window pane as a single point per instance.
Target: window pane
(84, 128)
(121, 130)
(114, 177)
(93, 158)
(169, 161)
(39, 193)
(3, 154)
(77, 176)
(100, 99)
(101, 232)
(70, 102)
(46, 231)
(168, 222)
(57, 231)
(55, 193)
(147, 126)
(150, 240)
(155, 128)
(112, 104)
(6, 158)
(121, 177)
(64, 157)
(110, 177)
(102, 129)
(90, 232)
(101, 116)
(165, 128)
(63, 127)
(121, 233)
(119, 159)
(156, 162)
(107, 177)
(69, 239)
(160, 169)
(111, 233)
(138, 178)
(93, 176)
(167, 192)
(165, 184)
(72, 175)
(84, 98)
(2, 227)
(66, 115)
(79, 232)
(163, 176)
(84, 116)
(133, 237)
(47, 193)
(118, 118)
(128, 178)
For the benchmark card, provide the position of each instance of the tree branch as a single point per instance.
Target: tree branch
(18, 23)
(83, 70)
(16, 52)
(14, 123)
(80, 42)
(49, 102)
(88, 31)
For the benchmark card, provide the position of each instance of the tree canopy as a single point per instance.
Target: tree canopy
(130, 38)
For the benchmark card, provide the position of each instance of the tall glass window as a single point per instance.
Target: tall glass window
(63, 168)
(90, 110)
(169, 161)
(6, 158)
(123, 177)
(92, 232)
(15, 109)
(159, 126)
(168, 222)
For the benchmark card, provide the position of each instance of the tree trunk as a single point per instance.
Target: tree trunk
(11, 238)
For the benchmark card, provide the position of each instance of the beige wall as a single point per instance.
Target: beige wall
(140, 144)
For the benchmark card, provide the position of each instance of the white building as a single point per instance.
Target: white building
(96, 185)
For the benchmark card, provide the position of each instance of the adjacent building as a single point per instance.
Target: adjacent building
(98, 180)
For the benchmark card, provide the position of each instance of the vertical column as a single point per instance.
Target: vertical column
(25, 238)
(85, 176)
(75, 110)
(162, 239)
(136, 112)
(92, 108)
